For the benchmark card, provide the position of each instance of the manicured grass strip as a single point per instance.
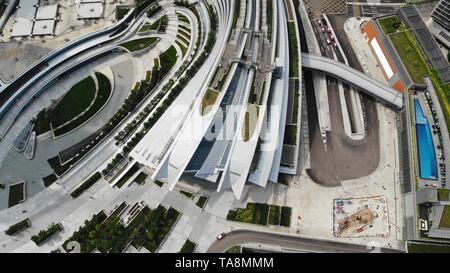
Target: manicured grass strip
(445, 219)
(260, 216)
(188, 247)
(186, 29)
(139, 44)
(237, 11)
(183, 18)
(159, 183)
(410, 56)
(182, 39)
(182, 47)
(293, 50)
(16, 194)
(427, 248)
(209, 99)
(121, 12)
(86, 185)
(269, 12)
(48, 180)
(127, 175)
(104, 92)
(201, 201)
(242, 215)
(46, 234)
(77, 100)
(254, 213)
(168, 59)
(286, 216)
(274, 215)
(443, 194)
(290, 135)
(140, 179)
(234, 249)
(16, 228)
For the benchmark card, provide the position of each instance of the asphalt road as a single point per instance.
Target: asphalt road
(290, 242)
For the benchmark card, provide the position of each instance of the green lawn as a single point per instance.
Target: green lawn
(410, 56)
(254, 213)
(77, 100)
(286, 216)
(140, 179)
(86, 185)
(168, 59)
(42, 123)
(428, 248)
(234, 249)
(188, 247)
(445, 220)
(15, 194)
(269, 15)
(121, 12)
(139, 44)
(209, 99)
(290, 135)
(48, 180)
(443, 194)
(293, 50)
(201, 201)
(127, 175)
(274, 215)
(104, 92)
(391, 24)
(182, 47)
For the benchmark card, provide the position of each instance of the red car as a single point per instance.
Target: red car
(221, 236)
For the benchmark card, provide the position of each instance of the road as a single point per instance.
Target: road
(291, 242)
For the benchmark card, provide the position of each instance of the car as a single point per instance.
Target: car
(221, 236)
(322, 29)
(335, 44)
(328, 41)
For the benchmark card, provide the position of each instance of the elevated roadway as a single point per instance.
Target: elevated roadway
(354, 77)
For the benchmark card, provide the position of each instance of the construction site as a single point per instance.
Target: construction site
(360, 217)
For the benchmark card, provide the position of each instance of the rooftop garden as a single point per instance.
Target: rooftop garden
(410, 55)
(414, 61)
(391, 25)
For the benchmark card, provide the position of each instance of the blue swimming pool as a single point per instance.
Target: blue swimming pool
(427, 157)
